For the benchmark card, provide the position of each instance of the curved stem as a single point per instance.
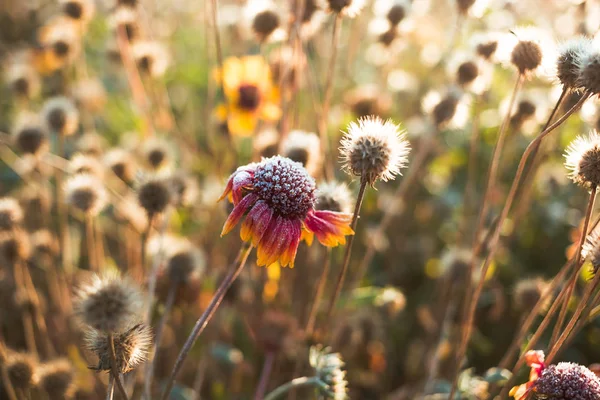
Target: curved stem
(204, 320)
(294, 383)
(323, 121)
(493, 243)
(341, 277)
(264, 376)
(158, 336)
(573, 282)
(113, 366)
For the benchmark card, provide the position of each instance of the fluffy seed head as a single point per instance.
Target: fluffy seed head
(526, 56)
(305, 148)
(328, 367)
(334, 196)
(30, 137)
(23, 79)
(14, 246)
(154, 195)
(86, 193)
(108, 303)
(184, 188)
(397, 12)
(285, 186)
(265, 23)
(11, 214)
(61, 116)
(44, 243)
(349, 8)
(528, 292)
(570, 56)
(151, 58)
(131, 347)
(185, 261)
(120, 162)
(126, 18)
(374, 149)
(157, 153)
(467, 72)
(583, 160)
(530, 50)
(85, 164)
(78, 10)
(21, 370)
(589, 72)
(56, 378)
(567, 381)
(591, 249)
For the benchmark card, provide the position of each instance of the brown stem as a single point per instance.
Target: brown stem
(573, 282)
(7, 384)
(63, 216)
(342, 276)
(323, 121)
(264, 376)
(204, 320)
(113, 366)
(91, 247)
(493, 244)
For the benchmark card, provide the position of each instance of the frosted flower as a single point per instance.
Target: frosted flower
(567, 381)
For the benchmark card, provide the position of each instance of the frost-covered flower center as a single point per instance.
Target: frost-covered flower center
(285, 186)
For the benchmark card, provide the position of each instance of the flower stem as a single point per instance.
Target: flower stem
(573, 282)
(264, 376)
(63, 216)
(110, 390)
(493, 243)
(323, 121)
(294, 383)
(91, 247)
(346, 262)
(158, 336)
(113, 366)
(204, 320)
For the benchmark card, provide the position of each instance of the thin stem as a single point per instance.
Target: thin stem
(389, 213)
(113, 366)
(493, 243)
(204, 320)
(63, 216)
(99, 241)
(573, 282)
(346, 262)
(199, 380)
(110, 391)
(7, 384)
(323, 121)
(312, 316)
(293, 384)
(158, 336)
(91, 247)
(264, 376)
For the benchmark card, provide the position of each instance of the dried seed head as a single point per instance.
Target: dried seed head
(44, 243)
(329, 369)
(526, 56)
(21, 370)
(131, 347)
(464, 5)
(528, 292)
(85, 164)
(11, 214)
(591, 249)
(91, 144)
(86, 193)
(525, 111)
(157, 153)
(567, 381)
(305, 148)
(388, 37)
(109, 303)
(57, 379)
(36, 203)
(184, 188)
(397, 12)
(25, 302)
(530, 50)
(455, 264)
(368, 100)
(30, 137)
(154, 195)
(121, 163)
(90, 95)
(265, 23)
(23, 79)
(583, 160)
(570, 56)
(151, 58)
(126, 18)
(589, 72)
(467, 72)
(14, 246)
(184, 262)
(374, 149)
(61, 116)
(349, 8)
(78, 10)
(275, 329)
(266, 143)
(334, 196)
(485, 44)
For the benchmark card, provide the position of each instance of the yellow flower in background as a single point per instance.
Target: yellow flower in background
(249, 93)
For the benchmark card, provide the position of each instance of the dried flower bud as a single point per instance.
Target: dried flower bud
(14, 246)
(589, 72)
(467, 72)
(121, 164)
(570, 56)
(30, 137)
(184, 261)
(528, 292)
(61, 116)
(85, 193)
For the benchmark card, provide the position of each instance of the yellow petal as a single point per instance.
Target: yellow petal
(233, 71)
(270, 112)
(241, 123)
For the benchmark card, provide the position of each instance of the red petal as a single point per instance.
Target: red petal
(289, 252)
(238, 212)
(329, 227)
(256, 222)
(268, 248)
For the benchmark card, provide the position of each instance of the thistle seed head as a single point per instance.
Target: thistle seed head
(582, 159)
(61, 116)
(21, 369)
(154, 195)
(570, 56)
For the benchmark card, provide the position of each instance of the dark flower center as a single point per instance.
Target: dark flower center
(526, 56)
(83, 199)
(338, 5)
(73, 9)
(61, 48)
(145, 64)
(285, 186)
(467, 72)
(526, 108)
(30, 140)
(249, 97)
(388, 37)
(445, 110)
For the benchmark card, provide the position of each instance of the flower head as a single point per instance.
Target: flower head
(334, 196)
(29, 135)
(184, 262)
(329, 370)
(278, 196)
(588, 72)
(61, 116)
(249, 93)
(57, 378)
(157, 153)
(528, 292)
(86, 193)
(535, 360)
(570, 55)
(152, 58)
(126, 18)
(121, 163)
(85, 164)
(583, 160)
(21, 369)
(305, 148)
(11, 214)
(567, 381)
(184, 188)
(530, 50)
(154, 195)
(23, 79)
(348, 8)
(374, 149)
(80, 11)
(265, 20)
(60, 38)
(108, 303)
(131, 347)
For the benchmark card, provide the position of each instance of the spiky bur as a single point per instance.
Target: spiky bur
(328, 367)
(154, 195)
(85, 164)
(108, 303)
(526, 56)
(21, 370)
(445, 110)
(570, 56)
(528, 292)
(57, 379)
(184, 188)
(567, 381)
(85, 193)
(582, 159)
(265, 21)
(11, 214)
(334, 196)
(61, 116)
(131, 347)
(374, 149)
